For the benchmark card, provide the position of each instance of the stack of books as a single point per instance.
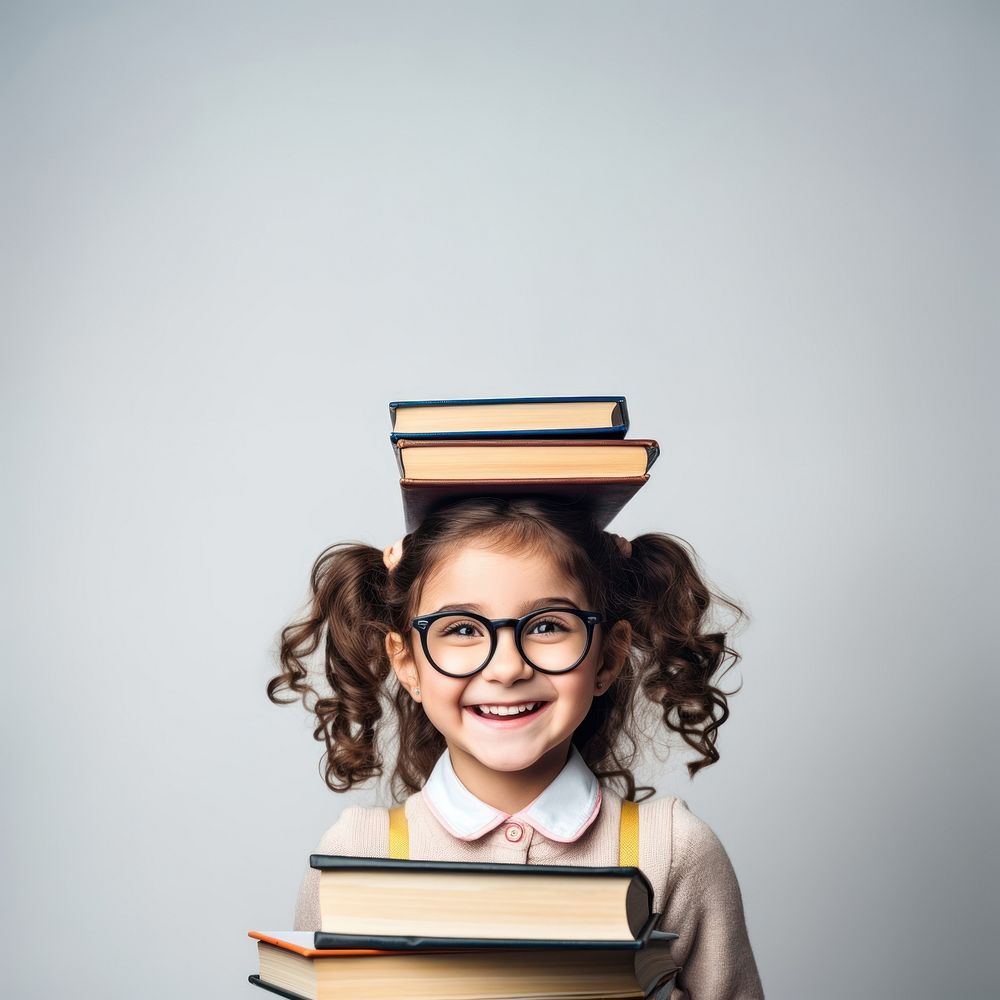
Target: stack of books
(572, 446)
(464, 931)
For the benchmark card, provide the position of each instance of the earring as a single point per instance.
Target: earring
(600, 684)
(416, 692)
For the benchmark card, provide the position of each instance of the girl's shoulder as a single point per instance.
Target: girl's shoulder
(674, 844)
(688, 843)
(657, 816)
(360, 831)
(670, 817)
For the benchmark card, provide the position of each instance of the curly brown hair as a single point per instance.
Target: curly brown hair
(670, 666)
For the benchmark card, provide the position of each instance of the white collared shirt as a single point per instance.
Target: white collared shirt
(562, 812)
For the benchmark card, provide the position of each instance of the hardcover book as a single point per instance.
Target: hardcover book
(600, 476)
(291, 968)
(387, 903)
(512, 416)
(523, 458)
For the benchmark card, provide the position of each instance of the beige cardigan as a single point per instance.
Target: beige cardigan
(694, 884)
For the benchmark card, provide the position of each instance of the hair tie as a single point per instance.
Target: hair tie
(624, 545)
(391, 554)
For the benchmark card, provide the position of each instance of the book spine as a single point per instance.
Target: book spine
(622, 411)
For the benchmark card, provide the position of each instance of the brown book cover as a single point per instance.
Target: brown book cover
(602, 498)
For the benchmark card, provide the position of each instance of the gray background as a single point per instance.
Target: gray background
(233, 232)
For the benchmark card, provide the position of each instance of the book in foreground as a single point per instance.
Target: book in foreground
(290, 967)
(386, 903)
(522, 416)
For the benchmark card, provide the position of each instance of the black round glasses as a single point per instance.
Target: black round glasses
(552, 640)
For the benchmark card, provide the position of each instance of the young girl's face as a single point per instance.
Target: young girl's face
(502, 585)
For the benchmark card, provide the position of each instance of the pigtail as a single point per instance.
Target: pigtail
(675, 655)
(607, 742)
(347, 584)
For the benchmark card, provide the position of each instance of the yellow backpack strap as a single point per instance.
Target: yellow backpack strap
(399, 834)
(628, 835)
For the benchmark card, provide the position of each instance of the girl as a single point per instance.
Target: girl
(520, 650)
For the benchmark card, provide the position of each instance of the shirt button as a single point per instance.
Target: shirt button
(514, 832)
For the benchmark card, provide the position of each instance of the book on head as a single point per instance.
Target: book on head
(521, 416)
(570, 447)
(600, 477)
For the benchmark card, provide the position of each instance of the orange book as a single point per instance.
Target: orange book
(301, 942)
(291, 967)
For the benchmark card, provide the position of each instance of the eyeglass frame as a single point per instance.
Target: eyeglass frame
(423, 622)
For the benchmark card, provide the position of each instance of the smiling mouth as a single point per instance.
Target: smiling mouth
(508, 711)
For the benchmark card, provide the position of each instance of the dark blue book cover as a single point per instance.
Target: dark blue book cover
(616, 428)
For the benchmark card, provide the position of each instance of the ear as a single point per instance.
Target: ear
(617, 644)
(401, 661)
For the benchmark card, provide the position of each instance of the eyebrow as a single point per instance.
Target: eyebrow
(542, 602)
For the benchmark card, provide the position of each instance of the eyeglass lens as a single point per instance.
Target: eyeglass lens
(550, 640)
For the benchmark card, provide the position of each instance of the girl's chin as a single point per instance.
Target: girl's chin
(504, 759)
(510, 760)
(518, 762)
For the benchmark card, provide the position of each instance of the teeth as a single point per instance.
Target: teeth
(507, 709)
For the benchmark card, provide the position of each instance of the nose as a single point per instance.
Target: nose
(507, 666)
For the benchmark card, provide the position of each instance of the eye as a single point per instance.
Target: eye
(462, 629)
(547, 626)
